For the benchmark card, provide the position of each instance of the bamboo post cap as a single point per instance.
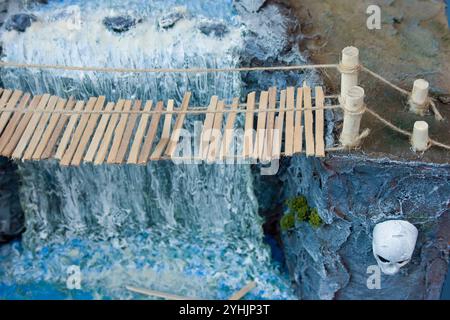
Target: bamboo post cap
(420, 91)
(350, 56)
(420, 137)
(355, 99)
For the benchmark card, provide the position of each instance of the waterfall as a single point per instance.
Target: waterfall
(191, 230)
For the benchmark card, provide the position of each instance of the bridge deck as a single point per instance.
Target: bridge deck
(45, 126)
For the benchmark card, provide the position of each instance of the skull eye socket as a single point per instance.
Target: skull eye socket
(383, 259)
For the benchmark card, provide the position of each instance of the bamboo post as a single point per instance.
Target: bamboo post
(418, 102)
(353, 111)
(420, 139)
(349, 68)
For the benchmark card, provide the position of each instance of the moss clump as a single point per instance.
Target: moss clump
(314, 219)
(287, 222)
(298, 206)
(300, 211)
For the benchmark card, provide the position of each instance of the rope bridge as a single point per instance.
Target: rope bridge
(126, 131)
(287, 122)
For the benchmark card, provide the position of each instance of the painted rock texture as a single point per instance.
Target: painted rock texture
(352, 195)
(11, 214)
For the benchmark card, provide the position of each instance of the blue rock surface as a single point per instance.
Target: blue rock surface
(353, 193)
(20, 22)
(11, 214)
(216, 29)
(119, 24)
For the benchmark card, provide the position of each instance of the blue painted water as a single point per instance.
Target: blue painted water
(190, 230)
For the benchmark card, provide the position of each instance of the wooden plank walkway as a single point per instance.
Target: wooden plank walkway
(75, 132)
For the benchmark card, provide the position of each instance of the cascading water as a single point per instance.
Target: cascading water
(186, 229)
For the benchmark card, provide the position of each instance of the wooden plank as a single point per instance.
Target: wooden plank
(118, 133)
(165, 136)
(320, 144)
(18, 132)
(278, 134)
(216, 133)
(229, 130)
(14, 122)
(32, 145)
(124, 145)
(171, 148)
(4, 98)
(104, 144)
(159, 294)
(308, 122)
(207, 126)
(68, 132)
(147, 146)
(298, 129)
(11, 104)
(134, 153)
(68, 155)
(98, 135)
(27, 134)
(248, 133)
(49, 130)
(261, 125)
(242, 292)
(268, 144)
(63, 119)
(289, 132)
(88, 131)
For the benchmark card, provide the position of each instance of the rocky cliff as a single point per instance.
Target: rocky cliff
(353, 193)
(11, 214)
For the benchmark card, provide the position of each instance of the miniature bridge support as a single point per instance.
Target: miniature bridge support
(353, 110)
(418, 102)
(349, 68)
(420, 139)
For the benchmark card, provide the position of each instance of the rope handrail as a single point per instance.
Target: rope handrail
(436, 112)
(216, 70)
(163, 70)
(404, 132)
(195, 110)
(337, 66)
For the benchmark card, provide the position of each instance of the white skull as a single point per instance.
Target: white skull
(393, 244)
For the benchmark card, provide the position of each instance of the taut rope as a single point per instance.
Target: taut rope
(164, 70)
(339, 67)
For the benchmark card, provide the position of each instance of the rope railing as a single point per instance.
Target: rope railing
(195, 110)
(342, 68)
(436, 112)
(404, 132)
(163, 70)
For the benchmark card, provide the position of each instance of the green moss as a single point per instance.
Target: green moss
(287, 222)
(300, 211)
(314, 219)
(298, 206)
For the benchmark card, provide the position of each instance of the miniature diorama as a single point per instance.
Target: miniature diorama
(224, 150)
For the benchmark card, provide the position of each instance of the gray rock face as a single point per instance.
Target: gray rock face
(352, 195)
(20, 22)
(216, 29)
(119, 24)
(268, 42)
(11, 214)
(250, 5)
(170, 19)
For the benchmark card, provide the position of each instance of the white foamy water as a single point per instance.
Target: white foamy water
(191, 230)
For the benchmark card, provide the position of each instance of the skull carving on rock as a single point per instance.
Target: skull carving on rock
(393, 244)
